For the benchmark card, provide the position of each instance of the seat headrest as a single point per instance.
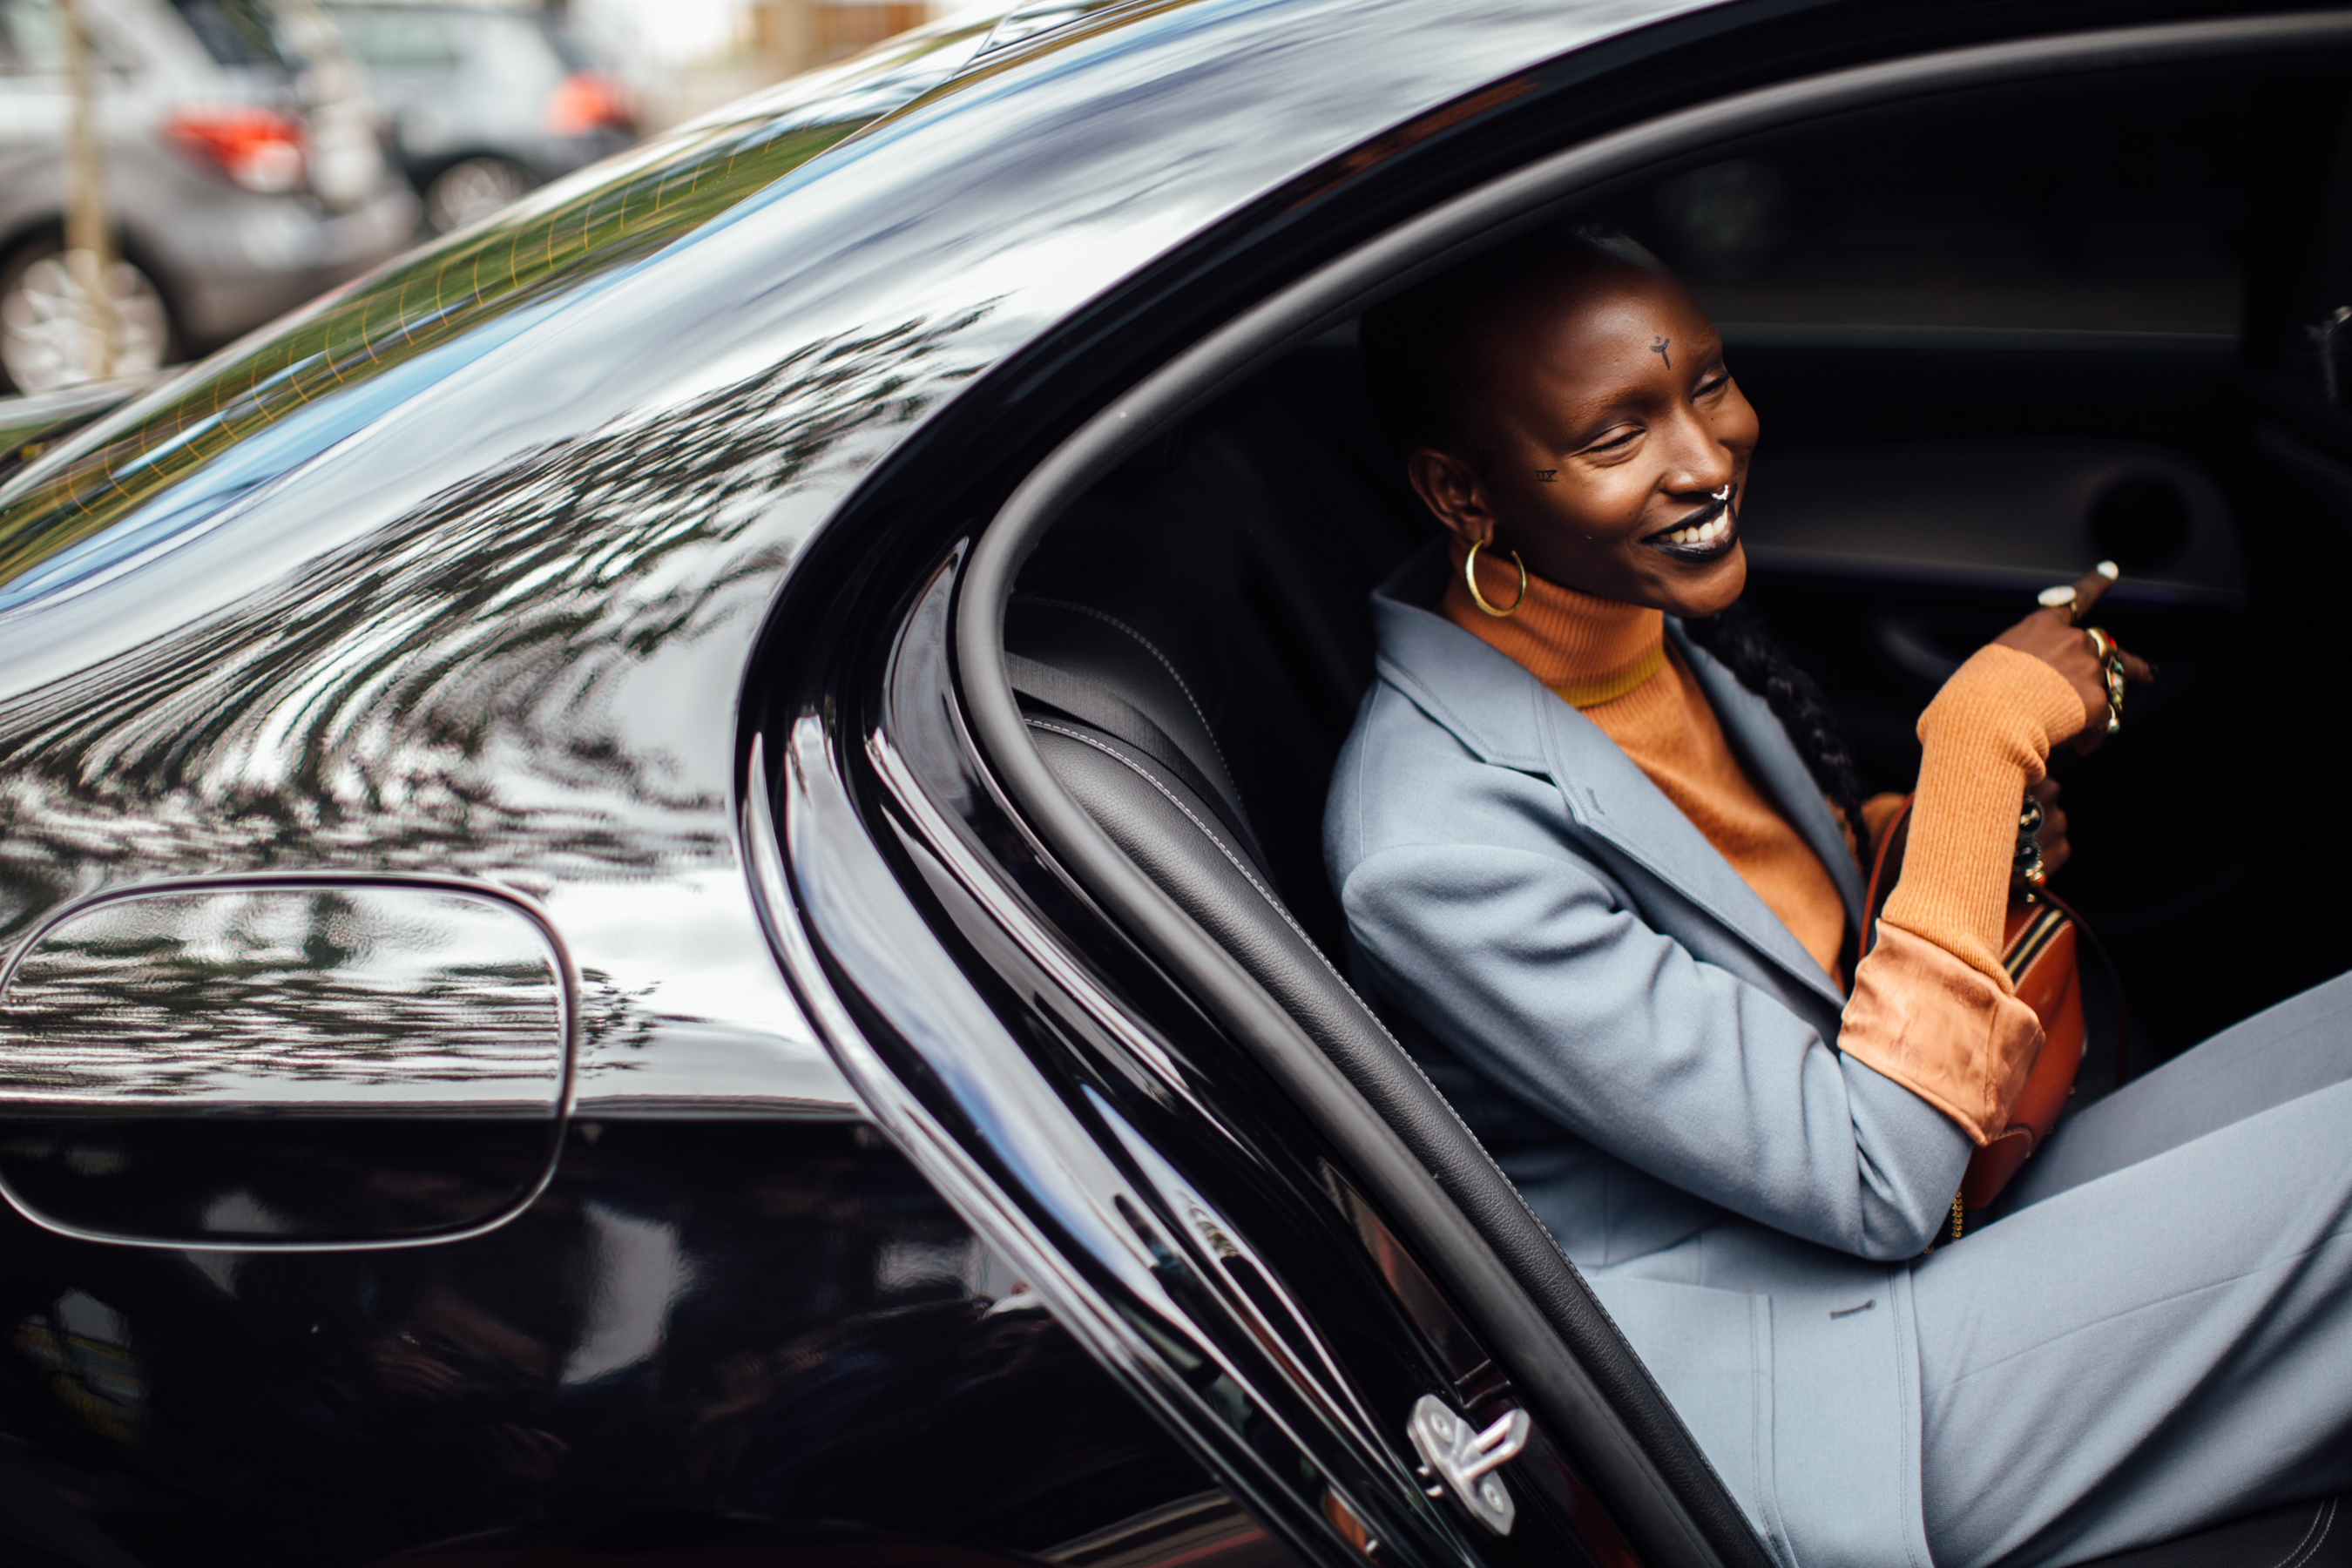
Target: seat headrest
(1103, 671)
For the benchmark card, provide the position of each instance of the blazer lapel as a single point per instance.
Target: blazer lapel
(1612, 799)
(1504, 715)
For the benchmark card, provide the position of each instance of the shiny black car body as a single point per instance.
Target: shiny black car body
(907, 1151)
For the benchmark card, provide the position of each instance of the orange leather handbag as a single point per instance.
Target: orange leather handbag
(2039, 948)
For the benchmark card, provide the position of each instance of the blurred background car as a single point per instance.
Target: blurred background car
(486, 102)
(242, 175)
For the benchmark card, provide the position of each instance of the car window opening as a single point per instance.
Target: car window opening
(2071, 337)
(2108, 353)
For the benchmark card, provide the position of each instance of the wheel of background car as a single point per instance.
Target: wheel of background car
(472, 189)
(44, 343)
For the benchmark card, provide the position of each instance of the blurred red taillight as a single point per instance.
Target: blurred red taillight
(258, 148)
(585, 100)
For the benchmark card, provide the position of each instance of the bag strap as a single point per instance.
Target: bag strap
(2118, 1019)
(1885, 867)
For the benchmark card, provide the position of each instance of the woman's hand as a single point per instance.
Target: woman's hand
(2056, 638)
(2052, 834)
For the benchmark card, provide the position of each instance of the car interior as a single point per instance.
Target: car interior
(1993, 338)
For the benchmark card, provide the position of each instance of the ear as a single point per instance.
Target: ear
(1452, 491)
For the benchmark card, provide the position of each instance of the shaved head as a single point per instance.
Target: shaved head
(1431, 353)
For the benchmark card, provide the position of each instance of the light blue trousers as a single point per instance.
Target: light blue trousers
(2156, 1332)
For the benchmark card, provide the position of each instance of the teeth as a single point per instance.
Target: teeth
(1702, 533)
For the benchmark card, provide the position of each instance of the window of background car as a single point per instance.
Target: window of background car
(29, 40)
(239, 32)
(397, 37)
(517, 49)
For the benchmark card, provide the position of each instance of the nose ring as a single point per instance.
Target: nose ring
(1723, 495)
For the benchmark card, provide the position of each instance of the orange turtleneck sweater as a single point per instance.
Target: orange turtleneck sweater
(1931, 1006)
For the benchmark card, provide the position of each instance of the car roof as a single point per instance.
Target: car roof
(1208, 112)
(508, 512)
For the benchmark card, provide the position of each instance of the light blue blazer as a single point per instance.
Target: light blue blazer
(1651, 1055)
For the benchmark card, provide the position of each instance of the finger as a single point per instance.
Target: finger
(2055, 856)
(2138, 670)
(2091, 586)
(2043, 789)
(2054, 829)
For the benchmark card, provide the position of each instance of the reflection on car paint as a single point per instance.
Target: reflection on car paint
(499, 630)
(771, 1320)
(317, 998)
(83, 1345)
(349, 714)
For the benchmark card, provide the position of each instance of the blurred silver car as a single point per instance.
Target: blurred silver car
(486, 102)
(243, 170)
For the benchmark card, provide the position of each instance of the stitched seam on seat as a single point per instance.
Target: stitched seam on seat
(2309, 1547)
(1206, 831)
(1340, 980)
(2294, 1554)
(1165, 663)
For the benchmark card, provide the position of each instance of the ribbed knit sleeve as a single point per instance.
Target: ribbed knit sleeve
(1932, 1007)
(1985, 738)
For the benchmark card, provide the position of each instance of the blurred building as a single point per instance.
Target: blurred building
(789, 35)
(683, 57)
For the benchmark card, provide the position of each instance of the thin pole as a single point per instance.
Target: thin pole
(88, 247)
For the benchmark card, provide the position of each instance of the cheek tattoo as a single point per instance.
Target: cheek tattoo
(1660, 348)
(1546, 476)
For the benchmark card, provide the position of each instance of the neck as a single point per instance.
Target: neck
(1589, 650)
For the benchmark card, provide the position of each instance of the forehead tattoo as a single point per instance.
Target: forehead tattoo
(1659, 347)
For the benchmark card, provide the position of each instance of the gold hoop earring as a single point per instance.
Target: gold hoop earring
(1470, 577)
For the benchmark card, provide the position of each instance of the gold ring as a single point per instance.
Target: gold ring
(2111, 669)
(2061, 597)
(2026, 865)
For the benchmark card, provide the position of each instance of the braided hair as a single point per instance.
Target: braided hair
(1737, 637)
(1420, 361)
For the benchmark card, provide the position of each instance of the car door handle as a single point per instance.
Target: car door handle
(284, 1062)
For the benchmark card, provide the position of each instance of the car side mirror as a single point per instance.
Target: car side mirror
(273, 1064)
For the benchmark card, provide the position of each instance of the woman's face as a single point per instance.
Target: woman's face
(1609, 423)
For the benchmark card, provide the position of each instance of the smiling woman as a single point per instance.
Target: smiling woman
(1674, 991)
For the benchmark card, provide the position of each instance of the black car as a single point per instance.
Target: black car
(556, 1011)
